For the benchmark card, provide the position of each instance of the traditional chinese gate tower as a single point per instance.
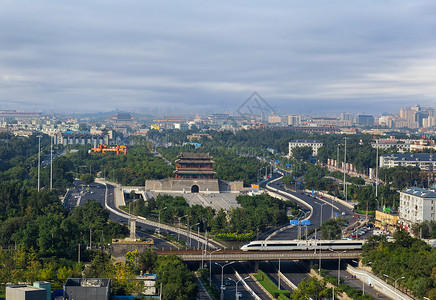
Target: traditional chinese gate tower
(194, 166)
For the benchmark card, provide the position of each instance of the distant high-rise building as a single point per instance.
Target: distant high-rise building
(276, 119)
(365, 120)
(294, 120)
(345, 117)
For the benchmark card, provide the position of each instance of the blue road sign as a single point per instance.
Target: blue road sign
(298, 182)
(277, 161)
(305, 222)
(288, 165)
(313, 192)
(336, 215)
(293, 222)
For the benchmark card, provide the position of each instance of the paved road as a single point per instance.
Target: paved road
(291, 270)
(229, 272)
(332, 267)
(328, 210)
(97, 192)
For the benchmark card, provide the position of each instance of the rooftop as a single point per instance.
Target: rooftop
(420, 192)
(413, 156)
(189, 155)
(305, 141)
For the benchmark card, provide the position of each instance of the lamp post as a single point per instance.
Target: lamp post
(190, 234)
(363, 281)
(319, 264)
(39, 161)
(396, 295)
(159, 216)
(222, 277)
(299, 225)
(339, 264)
(321, 205)
(51, 163)
(236, 284)
(210, 264)
(178, 232)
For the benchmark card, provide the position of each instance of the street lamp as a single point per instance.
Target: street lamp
(363, 281)
(178, 232)
(320, 219)
(396, 295)
(210, 264)
(190, 234)
(236, 284)
(222, 277)
(339, 264)
(159, 216)
(39, 160)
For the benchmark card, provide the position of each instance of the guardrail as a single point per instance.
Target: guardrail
(143, 220)
(377, 283)
(280, 194)
(247, 287)
(259, 256)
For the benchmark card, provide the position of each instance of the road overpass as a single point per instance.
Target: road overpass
(237, 255)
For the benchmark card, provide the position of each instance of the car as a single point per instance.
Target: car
(228, 282)
(223, 287)
(238, 295)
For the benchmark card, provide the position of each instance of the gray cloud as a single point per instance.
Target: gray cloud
(300, 56)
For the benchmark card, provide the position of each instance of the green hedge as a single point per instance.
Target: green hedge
(283, 297)
(236, 237)
(267, 283)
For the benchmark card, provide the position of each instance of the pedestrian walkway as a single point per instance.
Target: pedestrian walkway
(202, 293)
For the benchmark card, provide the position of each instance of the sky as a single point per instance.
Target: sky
(305, 57)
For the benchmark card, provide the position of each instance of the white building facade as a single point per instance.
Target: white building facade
(314, 144)
(425, 161)
(417, 205)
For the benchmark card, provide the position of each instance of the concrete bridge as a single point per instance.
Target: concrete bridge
(237, 255)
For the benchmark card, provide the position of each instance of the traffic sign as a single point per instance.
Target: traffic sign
(293, 222)
(305, 222)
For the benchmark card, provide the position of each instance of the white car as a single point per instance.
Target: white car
(238, 295)
(223, 287)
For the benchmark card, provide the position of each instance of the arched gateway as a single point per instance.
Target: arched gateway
(195, 189)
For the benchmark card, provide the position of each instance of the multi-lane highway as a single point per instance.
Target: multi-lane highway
(318, 206)
(105, 194)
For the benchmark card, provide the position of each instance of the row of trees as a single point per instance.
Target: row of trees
(256, 213)
(138, 165)
(406, 256)
(316, 177)
(228, 165)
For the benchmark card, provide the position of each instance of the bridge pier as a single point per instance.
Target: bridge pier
(256, 266)
(306, 264)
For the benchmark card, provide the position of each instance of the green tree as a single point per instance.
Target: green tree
(302, 153)
(147, 260)
(87, 178)
(311, 288)
(178, 282)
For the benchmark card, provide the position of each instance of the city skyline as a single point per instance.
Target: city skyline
(302, 58)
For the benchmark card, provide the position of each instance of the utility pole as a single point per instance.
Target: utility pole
(345, 168)
(39, 161)
(376, 175)
(51, 163)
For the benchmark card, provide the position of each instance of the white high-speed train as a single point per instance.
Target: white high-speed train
(291, 245)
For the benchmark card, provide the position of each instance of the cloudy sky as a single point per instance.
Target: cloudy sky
(135, 55)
